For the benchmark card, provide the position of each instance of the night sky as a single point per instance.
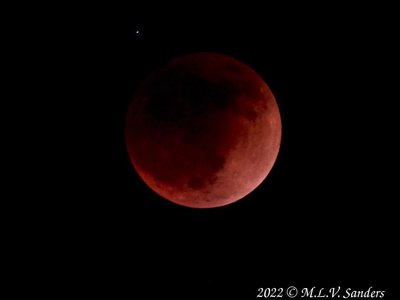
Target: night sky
(323, 216)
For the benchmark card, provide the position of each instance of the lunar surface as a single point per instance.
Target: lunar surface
(203, 131)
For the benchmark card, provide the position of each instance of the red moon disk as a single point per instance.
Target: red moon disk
(203, 131)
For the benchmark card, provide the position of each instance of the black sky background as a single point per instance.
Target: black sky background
(325, 214)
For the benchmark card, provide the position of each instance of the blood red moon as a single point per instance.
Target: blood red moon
(203, 131)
